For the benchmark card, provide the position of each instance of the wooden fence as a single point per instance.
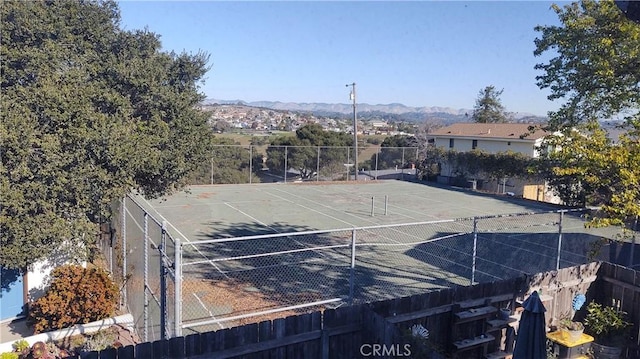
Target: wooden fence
(342, 332)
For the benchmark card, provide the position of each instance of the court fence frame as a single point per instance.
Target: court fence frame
(323, 163)
(154, 267)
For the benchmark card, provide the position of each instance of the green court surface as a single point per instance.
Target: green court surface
(219, 211)
(404, 244)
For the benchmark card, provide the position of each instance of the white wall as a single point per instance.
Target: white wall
(39, 272)
(490, 145)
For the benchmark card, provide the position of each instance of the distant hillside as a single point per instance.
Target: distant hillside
(392, 108)
(392, 112)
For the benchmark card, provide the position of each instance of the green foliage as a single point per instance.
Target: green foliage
(373, 140)
(391, 151)
(596, 69)
(476, 164)
(89, 111)
(39, 350)
(596, 63)
(606, 324)
(99, 341)
(488, 107)
(303, 153)
(569, 324)
(228, 163)
(76, 295)
(588, 169)
(20, 345)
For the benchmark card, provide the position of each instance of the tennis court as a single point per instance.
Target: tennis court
(266, 248)
(240, 210)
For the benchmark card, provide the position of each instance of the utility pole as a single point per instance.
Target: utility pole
(352, 95)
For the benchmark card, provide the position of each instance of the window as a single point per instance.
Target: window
(451, 143)
(509, 143)
(474, 144)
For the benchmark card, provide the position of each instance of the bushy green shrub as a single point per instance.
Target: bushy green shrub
(20, 345)
(9, 355)
(76, 295)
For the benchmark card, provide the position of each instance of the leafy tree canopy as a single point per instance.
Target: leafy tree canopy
(488, 107)
(89, 111)
(400, 141)
(229, 162)
(596, 70)
(302, 150)
(397, 150)
(596, 63)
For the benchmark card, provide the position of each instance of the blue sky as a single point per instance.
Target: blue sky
(418, 53)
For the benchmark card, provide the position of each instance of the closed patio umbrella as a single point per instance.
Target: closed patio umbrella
(532, 334)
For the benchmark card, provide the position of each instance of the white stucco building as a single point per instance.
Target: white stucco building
(490, 137)
(495, 138)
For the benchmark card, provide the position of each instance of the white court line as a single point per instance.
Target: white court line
(313, 210)
(271, 228)
(205, 308)
(185, 238)
(201, 204)
(408, 235)
(392, 205)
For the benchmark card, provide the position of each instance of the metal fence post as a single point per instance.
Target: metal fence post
(348, 161)
(318, 166)
(163, 285)
(373, 206)
(633, 243)
(211, 171)
(250, 163)
(386, 202)
(178, 287)
(559, 239)
(352, 270)
(377, 164)
(402, 164)
(124, 249)
(146, 277)
(475, 247)
(285, 164)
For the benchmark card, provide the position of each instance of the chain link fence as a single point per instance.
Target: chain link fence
(175, 286)
(143, 257)
(231, 164)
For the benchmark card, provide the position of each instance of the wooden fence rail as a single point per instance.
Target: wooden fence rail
(342, 332)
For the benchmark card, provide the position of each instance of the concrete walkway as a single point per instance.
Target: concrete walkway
(13, 330)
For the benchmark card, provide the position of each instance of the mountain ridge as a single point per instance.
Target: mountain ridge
(392, 108)
(342, 108)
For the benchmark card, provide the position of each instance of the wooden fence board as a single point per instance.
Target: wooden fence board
(176, 348)
(127, 352)
(339, 333)
(192, 344)
(144, 350)
(160, 349)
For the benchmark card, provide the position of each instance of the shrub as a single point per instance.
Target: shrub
(20, 345)
(606, 324)
(99, 341)
(76, 295)
(38, 350)
(9, 355)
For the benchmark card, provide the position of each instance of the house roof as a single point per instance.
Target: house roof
(516, 131)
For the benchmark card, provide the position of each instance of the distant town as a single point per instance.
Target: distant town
(228, 116)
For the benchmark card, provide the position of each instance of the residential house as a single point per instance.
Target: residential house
(494, 138)
(490, 137)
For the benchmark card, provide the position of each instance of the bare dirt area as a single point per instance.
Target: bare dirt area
(238, 298)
